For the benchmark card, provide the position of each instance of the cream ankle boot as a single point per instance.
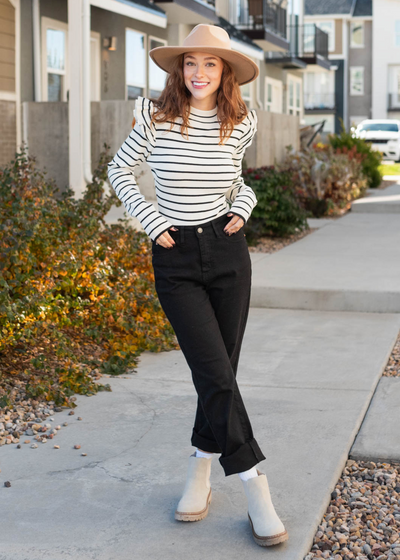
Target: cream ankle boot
(196, 498)
(266, 526)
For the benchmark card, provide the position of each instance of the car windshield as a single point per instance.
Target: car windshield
(385, 127)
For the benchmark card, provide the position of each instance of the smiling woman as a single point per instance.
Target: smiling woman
(194, 137)
(202, 74)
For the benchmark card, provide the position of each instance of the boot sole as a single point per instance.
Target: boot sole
(268, 541)
(196, 516)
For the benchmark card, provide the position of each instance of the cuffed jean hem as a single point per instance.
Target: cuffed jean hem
(246, 457)
(205, 444)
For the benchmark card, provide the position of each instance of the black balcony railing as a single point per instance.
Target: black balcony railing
(262, 15)
(308, 41)
(313, 100)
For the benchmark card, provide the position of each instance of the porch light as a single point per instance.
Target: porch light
(110, 43)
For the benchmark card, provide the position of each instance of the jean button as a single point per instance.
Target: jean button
(200, 230)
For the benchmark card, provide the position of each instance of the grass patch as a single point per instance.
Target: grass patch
(393, 169)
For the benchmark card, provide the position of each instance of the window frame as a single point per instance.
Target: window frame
(352, 25)
(273, 82)
(353, 69)
(297, 111)
(149, 39)
(146, 64)
(45, 24)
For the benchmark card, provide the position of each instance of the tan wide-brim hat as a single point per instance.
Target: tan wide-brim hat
(210, 39)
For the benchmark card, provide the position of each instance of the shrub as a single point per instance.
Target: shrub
(325, 181)
(277, 212)
(370, 159)
(76, 294)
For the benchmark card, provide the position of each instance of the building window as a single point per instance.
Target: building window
(357, 80)
(357, 34)
(268, 101)
(157, 76)
(55, 39)
(273, 95)
(135, 64)
(397, 33)
(319, 90)
(54, 59)
(294, 104)
(394, 87)
(246, 94)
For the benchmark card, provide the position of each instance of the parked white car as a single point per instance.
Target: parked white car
(383, 134)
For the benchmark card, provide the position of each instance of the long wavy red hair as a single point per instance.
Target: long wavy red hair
(174, 101)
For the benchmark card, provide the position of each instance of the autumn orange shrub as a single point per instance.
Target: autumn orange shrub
(76, 294)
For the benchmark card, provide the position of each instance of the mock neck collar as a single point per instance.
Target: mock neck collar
(201, 113)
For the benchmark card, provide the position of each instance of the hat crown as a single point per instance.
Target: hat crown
(204, 35)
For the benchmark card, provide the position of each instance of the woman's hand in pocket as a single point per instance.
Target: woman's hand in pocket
(165, 239)
(233, 225)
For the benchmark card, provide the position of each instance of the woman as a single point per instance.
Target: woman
(194, 137)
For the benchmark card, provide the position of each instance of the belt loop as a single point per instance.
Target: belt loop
(182, 234)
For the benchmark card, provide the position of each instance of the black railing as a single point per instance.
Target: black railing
(262, 14)
(308, 41)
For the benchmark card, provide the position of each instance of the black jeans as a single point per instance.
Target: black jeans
(203, 284)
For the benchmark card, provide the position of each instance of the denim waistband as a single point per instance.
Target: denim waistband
(192, 231)
(218, 220)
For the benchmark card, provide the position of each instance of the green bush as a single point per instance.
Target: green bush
(370, 161)
(76, 294)
(277, 212)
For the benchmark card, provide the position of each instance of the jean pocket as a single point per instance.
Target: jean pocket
(157, 249)
(233, 237)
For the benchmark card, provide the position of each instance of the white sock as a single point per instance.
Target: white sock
(203, 454)
(251, 473)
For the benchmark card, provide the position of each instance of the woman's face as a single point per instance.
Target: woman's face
(202, 74)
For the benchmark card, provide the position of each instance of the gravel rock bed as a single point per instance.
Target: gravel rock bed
(362, 521)
(26, 422)
(273, 244)
(392, 368)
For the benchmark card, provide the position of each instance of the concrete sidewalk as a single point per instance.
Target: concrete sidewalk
(350, 264)
(385, 201)
(306, 378)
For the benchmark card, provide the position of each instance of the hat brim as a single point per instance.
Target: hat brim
(245, 69)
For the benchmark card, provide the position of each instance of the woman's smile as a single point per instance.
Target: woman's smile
(200, 85)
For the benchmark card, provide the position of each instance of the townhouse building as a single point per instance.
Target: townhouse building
(70, 71)
(386, 60)
(344, 92)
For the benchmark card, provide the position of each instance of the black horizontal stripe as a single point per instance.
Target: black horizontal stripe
(188, 203)
(181, 194)
(188, 179)
(205, 219)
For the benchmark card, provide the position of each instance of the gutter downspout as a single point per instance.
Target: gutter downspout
(36, 50)
(346, 72)
(86, 104)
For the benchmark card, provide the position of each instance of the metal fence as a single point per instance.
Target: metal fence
(262, 14)
(308, 40)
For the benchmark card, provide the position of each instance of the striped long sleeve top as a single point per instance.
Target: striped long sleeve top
(196, 179)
